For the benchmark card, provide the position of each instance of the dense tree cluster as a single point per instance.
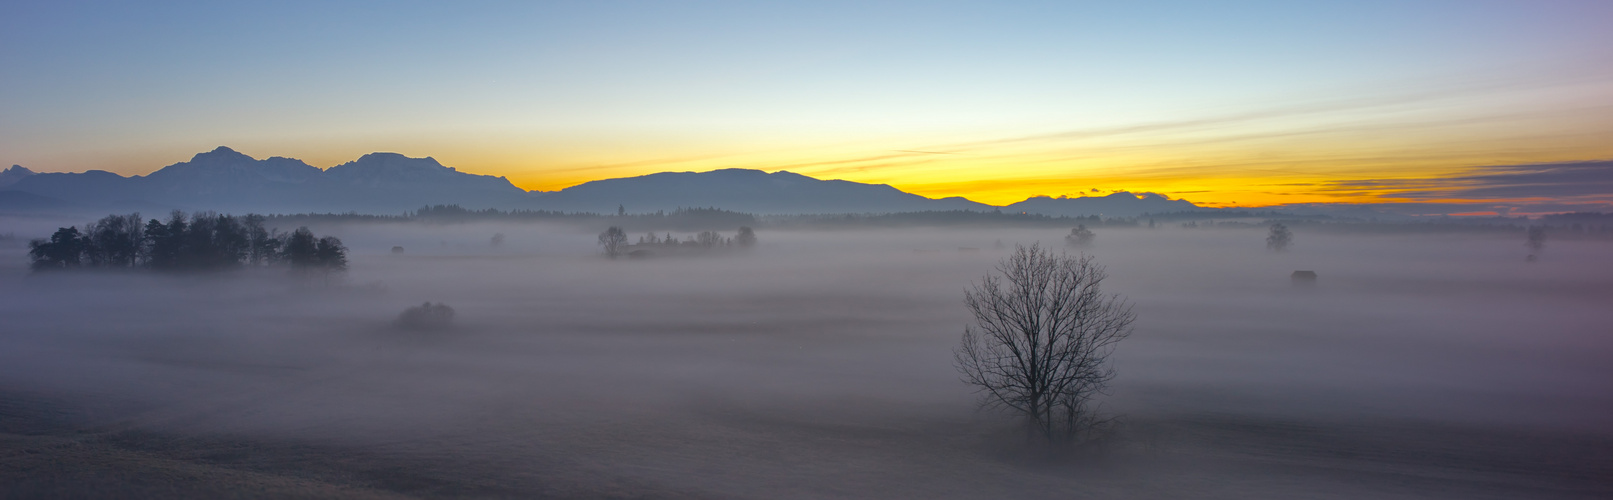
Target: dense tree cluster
(652, 243)
(203, 241)
(746, 237)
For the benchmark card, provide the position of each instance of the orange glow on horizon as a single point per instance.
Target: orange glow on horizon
(1309, 153)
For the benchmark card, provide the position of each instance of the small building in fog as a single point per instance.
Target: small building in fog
(1303, 278)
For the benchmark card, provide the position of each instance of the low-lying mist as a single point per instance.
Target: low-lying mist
(818, 363)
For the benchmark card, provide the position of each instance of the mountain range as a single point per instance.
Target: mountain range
(388, 183)
(227, 181)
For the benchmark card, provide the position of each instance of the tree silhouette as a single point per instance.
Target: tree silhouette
(1040, 344)
(708, 239)
(166, 242)
(215, 242)
(1536, 241)
(1279, 237)
(62, 251)
(300, 249)
(614, 240)
(262, 245)
(308, 255)
(204, 241)
(746, 237)
(114, 241)
(330, 255)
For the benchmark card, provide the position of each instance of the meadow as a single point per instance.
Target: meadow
(817, 364)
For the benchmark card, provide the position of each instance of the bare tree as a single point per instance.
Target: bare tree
(614, 240)
(1041, 341)
(1279, 238)
(708, 238)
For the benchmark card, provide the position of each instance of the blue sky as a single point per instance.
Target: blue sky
(552, 94)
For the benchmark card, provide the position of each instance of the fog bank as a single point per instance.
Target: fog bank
(819, 364)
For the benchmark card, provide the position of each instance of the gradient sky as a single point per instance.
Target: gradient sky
(1222, 103)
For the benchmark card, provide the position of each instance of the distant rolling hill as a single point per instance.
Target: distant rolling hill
(20, 201)
(389, 183)
(227, 181)
(1121, 204)
(741, 190)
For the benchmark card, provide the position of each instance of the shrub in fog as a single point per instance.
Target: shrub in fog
(426, 316)
(746, 237)
(1279, 237)
(1303, 278)
(1080, 236)
(1041, 339)
(614, 240)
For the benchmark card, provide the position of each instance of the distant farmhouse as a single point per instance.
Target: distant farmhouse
(1303, 278)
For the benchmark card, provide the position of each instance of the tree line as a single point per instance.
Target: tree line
(202, 241)
(614, 240)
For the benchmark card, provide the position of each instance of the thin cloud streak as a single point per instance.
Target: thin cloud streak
(1181, 153)
(1335, 106)
(1587, 181)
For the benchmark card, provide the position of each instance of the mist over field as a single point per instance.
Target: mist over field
(817, 364)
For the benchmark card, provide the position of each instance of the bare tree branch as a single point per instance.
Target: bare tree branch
(1041, 339)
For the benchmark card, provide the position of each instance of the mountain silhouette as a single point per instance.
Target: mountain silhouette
(742, 190)
(228, 181)
(13, 175)
(1121, 204)
(225, 180)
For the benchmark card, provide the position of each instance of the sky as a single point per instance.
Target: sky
(1221, 103)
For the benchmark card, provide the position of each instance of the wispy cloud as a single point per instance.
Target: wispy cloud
(1422, 97)
(1590, 180)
